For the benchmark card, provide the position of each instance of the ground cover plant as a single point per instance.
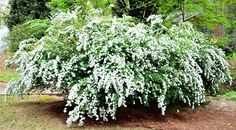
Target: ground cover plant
(101, 63)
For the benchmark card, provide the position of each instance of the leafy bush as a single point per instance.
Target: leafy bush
(23, 10)
(65, 5)
(107, 63)
(31, 29)
(62, 5)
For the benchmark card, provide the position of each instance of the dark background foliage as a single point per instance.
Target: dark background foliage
(142, 9)
(23, 10)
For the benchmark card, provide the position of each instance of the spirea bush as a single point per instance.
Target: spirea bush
(104, 63)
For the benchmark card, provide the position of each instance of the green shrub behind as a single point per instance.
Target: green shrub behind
(30, 29)
(66, 5)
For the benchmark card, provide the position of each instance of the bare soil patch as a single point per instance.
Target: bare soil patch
(218, 115)
(210, 117)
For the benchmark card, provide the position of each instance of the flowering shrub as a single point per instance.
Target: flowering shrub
(104, 63)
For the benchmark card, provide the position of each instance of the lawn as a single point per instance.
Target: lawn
(230, 96)
(7, 76)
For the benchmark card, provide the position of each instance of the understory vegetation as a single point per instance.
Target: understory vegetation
(107, 54)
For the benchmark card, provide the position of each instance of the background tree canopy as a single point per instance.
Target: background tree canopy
(65, 5)
(203, 13)
(23, 10)
(142, 9)
(215, 18)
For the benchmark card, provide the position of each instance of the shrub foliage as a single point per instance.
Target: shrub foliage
(30, 29)
(106, 63)
(65, 5)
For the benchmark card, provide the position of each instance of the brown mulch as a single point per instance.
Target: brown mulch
(218, 115)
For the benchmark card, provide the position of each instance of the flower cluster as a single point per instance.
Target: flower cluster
(107, 63)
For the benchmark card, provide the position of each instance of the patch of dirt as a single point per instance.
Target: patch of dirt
(2, 88)
(218, 115)
(221, 104)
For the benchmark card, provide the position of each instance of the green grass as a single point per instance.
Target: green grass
(230, 96)
(41, 113)
(7, 76)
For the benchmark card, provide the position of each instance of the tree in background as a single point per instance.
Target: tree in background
(209, 14)
(219, 19)
(215, 18)
(23, 10)
(230, 9)
(210, 18)
(65, 5)
(142, 9)
(203, 13)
